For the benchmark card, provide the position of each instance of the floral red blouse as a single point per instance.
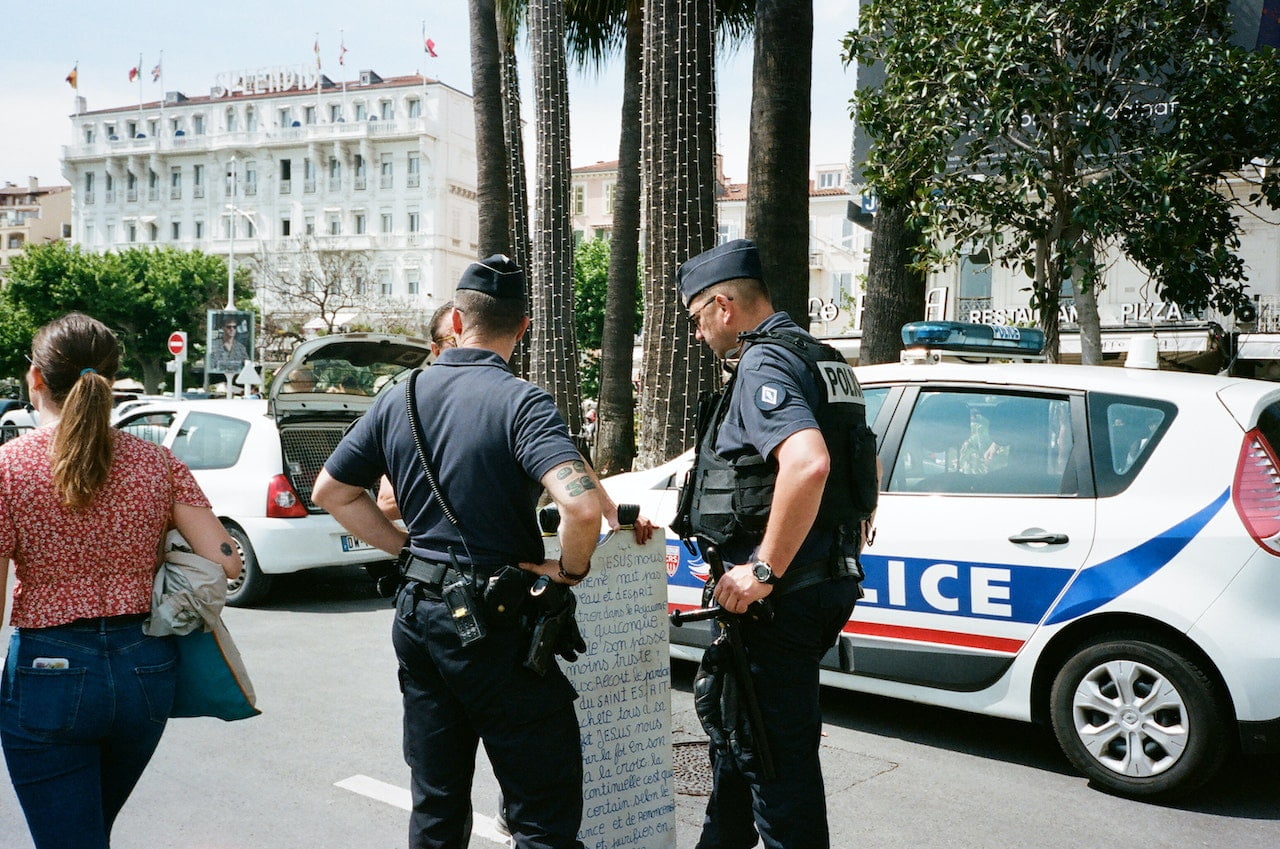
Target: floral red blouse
(100, 561)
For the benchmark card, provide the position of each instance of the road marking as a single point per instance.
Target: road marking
(398, 797)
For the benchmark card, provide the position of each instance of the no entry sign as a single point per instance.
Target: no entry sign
(177, 343)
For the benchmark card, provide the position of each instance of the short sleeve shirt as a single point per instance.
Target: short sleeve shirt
(489, 436)
(774, 396)
(98, 561)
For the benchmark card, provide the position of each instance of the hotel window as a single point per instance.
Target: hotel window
(415, 170)
(88, 233)
(131, 130)
(197, 181)
(250, 178)
(335, 113)
(386, 110)
(360, 172)
(88, 135)
(384, 283)
(251, 119)
(231, 119)
(310, 225)
(153, 185)
(111, 232)
(175, 182)
(175, 126)
(199, 228)
(579, 200)
(335, 173)
(88, 187)
(285, 116)
(197, 124)
(308, 175)
(153, 232)
(415, 108)
(309, 115)
(285, 227)
(133, 232)
(361, 222)
(608, 196)
(335, 224)
(386, 171)
(175, 230)
(153, 128)
(359, 111)
(411, 281)
(111, 131)
(386, 222)
(829, 180)
(726, 232)
(413, 222)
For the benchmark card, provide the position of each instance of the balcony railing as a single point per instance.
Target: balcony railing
(286, 186)
(153, 193)
(175, 193)
(109, 196)
(414, 180)
(361, 183)
(250, 189)
(309, 186)
(197, 192)
(384, 181)
(335, 184)
(131, 195)
(88, 197)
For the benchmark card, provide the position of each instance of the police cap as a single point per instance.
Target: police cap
(496, 275)
(730, 261)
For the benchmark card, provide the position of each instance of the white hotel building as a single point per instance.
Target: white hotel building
(281, 160)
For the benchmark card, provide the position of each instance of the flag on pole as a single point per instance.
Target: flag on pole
(74, 77)
(342, 53)
(155, 73)
(133, 73)
(317, 50)
(428, 46)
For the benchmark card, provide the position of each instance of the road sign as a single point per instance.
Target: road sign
(177, 343)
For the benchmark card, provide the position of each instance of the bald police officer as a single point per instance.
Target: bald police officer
(492, 442)
(766, 440)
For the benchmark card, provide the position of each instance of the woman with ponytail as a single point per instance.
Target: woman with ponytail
(85, 694)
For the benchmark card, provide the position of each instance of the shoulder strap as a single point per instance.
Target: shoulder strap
(411, 409)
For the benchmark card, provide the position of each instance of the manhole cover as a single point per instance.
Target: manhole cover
(692, 768)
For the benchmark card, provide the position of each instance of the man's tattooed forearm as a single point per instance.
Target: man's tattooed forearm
(581, 485)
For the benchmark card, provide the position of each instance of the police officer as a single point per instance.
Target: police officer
(492, 442)
(765, 432)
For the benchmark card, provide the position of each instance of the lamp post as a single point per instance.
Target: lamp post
(231, 255)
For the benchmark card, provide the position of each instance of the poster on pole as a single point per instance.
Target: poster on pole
(229, 335)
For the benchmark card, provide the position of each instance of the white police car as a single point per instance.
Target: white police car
(1093, 548)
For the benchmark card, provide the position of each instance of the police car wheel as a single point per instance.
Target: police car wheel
(1138, 718)
(250, 586)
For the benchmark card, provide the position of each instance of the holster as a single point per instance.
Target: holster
(553, 627)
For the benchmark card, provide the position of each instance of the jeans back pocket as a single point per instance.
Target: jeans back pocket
(158, 684)
(49, 699)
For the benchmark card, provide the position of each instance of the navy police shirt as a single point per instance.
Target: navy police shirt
(774, 396)
(490, 438)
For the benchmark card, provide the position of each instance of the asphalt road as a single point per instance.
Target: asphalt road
(322, 768)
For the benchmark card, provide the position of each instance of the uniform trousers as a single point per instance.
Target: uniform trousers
(457, 696)
(789, 811)
(76, 740)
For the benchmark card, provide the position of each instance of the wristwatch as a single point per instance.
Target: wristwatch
(763, 573)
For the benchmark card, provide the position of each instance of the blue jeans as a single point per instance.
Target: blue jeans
(76, 740)
(790, 811)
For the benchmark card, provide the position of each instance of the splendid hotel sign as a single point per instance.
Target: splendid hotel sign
(266, 80)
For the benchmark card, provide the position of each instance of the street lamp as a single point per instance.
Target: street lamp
(231, 256)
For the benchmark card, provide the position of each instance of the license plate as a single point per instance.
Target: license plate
(350, 543)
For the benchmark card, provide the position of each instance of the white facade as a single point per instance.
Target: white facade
(837, 247)
(272, 163)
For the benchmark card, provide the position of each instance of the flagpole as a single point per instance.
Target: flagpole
(342, 50)
(160, 79)
(317, 78)
(139, 92)
(75, 84)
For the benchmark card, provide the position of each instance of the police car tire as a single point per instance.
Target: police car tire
(1203, 714)
(251, 586)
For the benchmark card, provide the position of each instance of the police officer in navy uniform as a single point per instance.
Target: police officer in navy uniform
(493, 443)
(768, 424)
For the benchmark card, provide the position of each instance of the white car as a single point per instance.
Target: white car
(257, 460)
(1096, 549)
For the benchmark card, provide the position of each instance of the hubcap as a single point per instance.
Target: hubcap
(1131, 718)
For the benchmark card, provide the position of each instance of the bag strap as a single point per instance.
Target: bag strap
(419, 443)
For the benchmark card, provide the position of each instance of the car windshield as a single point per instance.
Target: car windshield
(339, 376)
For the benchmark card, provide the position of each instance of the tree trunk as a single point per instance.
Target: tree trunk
(1087, 318)
(493, 199)
(554, 360)
(615, 436)
(895, 290)
(778, 166)
(678, 110)
(152, 374)
(516, 174)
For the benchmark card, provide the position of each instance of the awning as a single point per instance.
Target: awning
(1176, 342)
(1258, 346)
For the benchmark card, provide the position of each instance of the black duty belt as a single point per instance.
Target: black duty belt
(433, 575)
(801, 575)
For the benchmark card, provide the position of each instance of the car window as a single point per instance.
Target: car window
(153, 427)
(209, 441)
(1125, 431)
(986, 443)
(875, 400)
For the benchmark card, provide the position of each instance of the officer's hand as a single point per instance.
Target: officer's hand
(643, 529)
(550, 568)
(739, 588)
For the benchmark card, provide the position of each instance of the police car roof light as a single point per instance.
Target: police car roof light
(927, 341)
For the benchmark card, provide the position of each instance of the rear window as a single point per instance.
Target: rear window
(1125, 431)
(209, 441)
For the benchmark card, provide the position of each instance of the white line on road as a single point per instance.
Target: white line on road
(398, 797)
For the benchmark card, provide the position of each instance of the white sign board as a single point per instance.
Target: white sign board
(624, 696)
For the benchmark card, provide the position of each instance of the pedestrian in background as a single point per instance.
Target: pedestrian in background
(85, 694)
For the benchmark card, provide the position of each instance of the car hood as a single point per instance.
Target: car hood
(342, 373)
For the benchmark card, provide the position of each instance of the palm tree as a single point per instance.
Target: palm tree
(493, 198)
(678, 109)
(554, 353)
(778, 162)
(509, 14)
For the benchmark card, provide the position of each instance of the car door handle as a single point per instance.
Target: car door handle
(1040, 536)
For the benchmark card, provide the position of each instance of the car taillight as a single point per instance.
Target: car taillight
(1256, 492)
(282, 501)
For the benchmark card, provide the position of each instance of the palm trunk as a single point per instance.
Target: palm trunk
(778, 168)
(678, 109)
(615, 439)
(493, 197)
(554, 361)
(516, 176)
(895, 290)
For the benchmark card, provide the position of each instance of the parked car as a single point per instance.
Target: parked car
(1096, 549)
(257, 460)
(16, 421)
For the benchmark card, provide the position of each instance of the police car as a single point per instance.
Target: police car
(1096, 549)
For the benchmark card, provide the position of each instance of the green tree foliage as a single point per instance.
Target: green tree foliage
(590, 288)
(141, 294)
(1058, 132)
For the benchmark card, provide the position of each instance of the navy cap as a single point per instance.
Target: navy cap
(496, 275)
(729, 261)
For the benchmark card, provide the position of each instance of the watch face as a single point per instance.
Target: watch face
(762, 572)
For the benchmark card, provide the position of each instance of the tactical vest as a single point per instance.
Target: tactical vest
(729, 499)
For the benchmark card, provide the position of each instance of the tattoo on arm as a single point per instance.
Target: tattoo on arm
(226, 549)
(564, 473)
(581, 486)
(578, 466)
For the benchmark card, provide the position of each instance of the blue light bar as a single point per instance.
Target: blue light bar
(960, 337)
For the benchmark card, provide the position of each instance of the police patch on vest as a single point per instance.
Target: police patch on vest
(840, 383)
(770, 396)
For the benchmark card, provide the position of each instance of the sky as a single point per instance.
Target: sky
(194, 43)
